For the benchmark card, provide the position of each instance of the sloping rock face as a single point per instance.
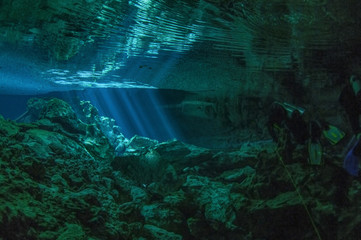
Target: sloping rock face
(60, 180)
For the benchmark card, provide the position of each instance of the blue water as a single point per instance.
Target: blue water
(136, 111)
(118, 54)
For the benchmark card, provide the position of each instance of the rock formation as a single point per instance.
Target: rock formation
(60, 179)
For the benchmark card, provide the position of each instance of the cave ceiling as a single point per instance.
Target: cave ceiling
(238, 46)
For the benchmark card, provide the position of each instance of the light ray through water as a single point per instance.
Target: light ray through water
(136, 112)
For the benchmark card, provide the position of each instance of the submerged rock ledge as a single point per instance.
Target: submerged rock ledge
(60, 179)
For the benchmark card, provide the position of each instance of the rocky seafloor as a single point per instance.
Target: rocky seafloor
(64, 174)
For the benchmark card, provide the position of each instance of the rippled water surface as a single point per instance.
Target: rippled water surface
(118, 43)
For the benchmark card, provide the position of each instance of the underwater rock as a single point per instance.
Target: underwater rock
(34, 108)
(34, 168)
(214, 198)
(80, 119)
(145, 167)
(163, 216)
(182, 155)
(86, 111)
(139, 195)
(60, 182)
(53, 164)
(90, 115)
(140, 143)
(157, 233)
(7, 129)
(72, 231)
(239, 175)
(57, 110)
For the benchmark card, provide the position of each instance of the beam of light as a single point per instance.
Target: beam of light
(133, 113)
(169, 128)
(136, 112)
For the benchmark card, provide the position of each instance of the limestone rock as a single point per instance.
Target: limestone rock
(215, 198)
(239, 175)
(157, 233)
(182, 155)
(34, 108)
(163, 216)
(7, 129)
(140, 143)
(57, 110)
(61, 183)
(72, 231)
(145, 167)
